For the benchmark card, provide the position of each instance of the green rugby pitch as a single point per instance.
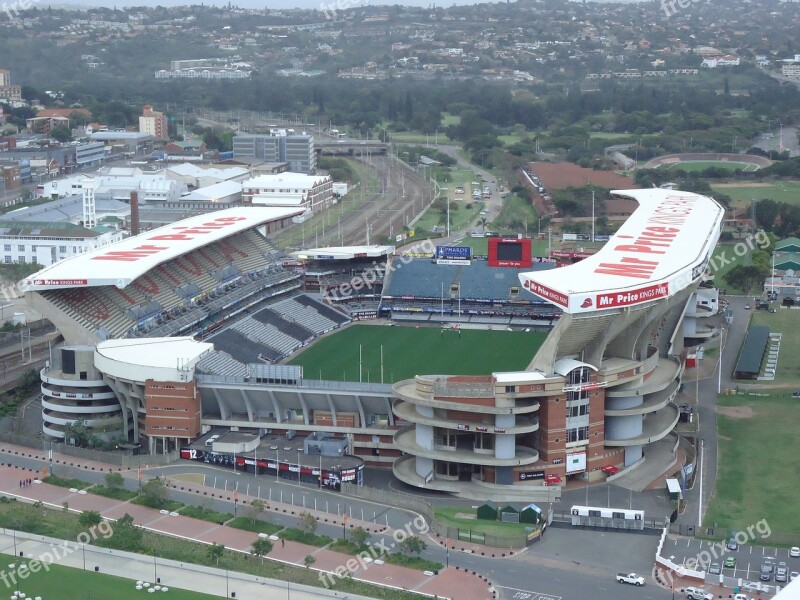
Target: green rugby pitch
(408, 351)
(65, 582)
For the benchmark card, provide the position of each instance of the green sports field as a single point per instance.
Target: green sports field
(702, 165)
(65, 582)
(743, 195)
(408, 351)
(758, 463)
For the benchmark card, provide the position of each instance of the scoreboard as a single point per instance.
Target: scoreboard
(510, 252)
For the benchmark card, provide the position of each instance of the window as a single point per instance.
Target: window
(618, 515)
(578, 411)
(20, 248)
(7, 247)
(7, 259)
(21, 260)
(594, 513)
(62, 249)
(578, 434)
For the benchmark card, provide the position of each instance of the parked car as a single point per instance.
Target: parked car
(781, 572)
(730, 562)
(715, 569)
(747, 307)
(765, 574)
(794, 551)
(732, 543)
(793, 575)
(742, 597)
(795, 395)
(694, 593)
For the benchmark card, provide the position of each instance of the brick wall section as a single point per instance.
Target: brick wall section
(172, 409)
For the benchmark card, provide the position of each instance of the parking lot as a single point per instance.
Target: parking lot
(748, 558)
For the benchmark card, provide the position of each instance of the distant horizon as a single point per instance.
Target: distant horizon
(290, 4)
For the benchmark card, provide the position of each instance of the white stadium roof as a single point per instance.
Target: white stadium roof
(342, 253)
(122, 263)
(661, 249)
(160, 359)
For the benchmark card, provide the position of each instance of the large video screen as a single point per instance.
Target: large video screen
(509, 251)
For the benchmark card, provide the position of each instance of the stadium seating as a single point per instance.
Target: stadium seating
(323, 309)
(221, 363)
(297, 331)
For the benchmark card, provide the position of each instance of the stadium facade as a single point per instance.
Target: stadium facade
(597, 396)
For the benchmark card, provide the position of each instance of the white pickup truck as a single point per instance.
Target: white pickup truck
(631, 578)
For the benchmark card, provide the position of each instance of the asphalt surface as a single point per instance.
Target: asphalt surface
(748, 557)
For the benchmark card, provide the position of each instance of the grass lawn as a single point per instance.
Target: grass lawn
(511, 138)
(757, 479)
(115, 493)
(780, 191)
(205, 514)
(448, 119)
(701, 165)
(66, 482)
(447, 517)
(784, 321)
(257, 526)
(599, 135)
(415, 137)
(53, 585)
(408, 351)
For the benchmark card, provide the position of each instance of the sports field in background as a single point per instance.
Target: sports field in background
(62, 582)
(758, 463)
(701, 165)
(743, 194)
(408, 351)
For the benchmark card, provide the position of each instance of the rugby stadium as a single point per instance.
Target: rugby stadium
(179, 335)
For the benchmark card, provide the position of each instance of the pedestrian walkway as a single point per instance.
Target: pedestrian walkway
(470, 585)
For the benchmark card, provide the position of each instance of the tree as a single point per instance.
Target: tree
(308, 522)
(127, 536)
(309, 560)
(412, 545)
(215, 552)
(261, 547)
(256, 507)
(90, 518)
(359, 536)
(61, 133)
(154, 493)
(745, 277)
(114, 481)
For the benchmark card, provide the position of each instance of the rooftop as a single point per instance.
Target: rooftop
(121, 263)
(342, 253)
(662, 248)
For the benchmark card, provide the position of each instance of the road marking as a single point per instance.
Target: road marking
(528, 595)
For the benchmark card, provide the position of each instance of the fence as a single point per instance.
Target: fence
(112, 458)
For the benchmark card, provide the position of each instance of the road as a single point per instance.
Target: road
(566, 565)
(734, 337)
